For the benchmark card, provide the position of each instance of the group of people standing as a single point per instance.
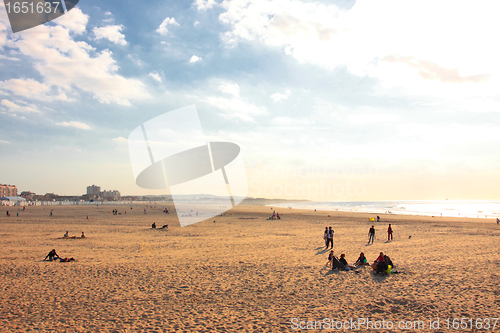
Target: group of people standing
(328, 236)
(329, 232)
(371, 234)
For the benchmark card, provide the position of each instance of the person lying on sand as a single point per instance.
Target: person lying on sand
(165, 226)
(66, 259)
(52, 255)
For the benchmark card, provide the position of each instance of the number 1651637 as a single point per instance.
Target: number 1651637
(470, 323)
(31, 8)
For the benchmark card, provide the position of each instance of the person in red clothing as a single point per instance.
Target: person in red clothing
(389, 233)
(381, 264)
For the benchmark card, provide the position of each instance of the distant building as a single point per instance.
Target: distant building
(27, 195)
(12, 201)
(110, 195)
(93, 190)
(8, 190)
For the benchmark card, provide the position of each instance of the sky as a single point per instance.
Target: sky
(328, 100)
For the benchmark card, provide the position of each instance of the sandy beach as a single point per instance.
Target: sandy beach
(241, 273)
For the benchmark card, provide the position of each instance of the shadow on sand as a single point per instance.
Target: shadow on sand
(322, 251)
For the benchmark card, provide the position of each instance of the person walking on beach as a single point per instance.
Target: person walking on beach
(389, 233)
(371, 234)
(330, 259)
(329, 238)
(325, 237)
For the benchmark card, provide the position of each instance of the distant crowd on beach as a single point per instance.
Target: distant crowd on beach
(275, 216)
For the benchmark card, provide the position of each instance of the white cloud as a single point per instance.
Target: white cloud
(112, 33)
(292, 122)
(3, 24)
(5, 141)
(230, 88)
(135, 59)
(53, 49)
(196, 23)
(32, 89)
(277, 97)
(373, 118)
(194, 59)
(204, 4)
(155, 76)
(120, 139)
(75, 124)
(163, 28)
(15, 108)
(383, 39)
(75, 21)
(236, 108)
(8, 58)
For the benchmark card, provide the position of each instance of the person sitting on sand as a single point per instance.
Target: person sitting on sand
(66, 235)
(388, 261)
(153, 225)
(381, 265)
(52, 255)
(83, 235)
(361, 260)
(343, 261)
(330, 259)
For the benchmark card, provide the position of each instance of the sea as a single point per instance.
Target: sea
(449, 208)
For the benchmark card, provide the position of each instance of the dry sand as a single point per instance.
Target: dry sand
(241, 273)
